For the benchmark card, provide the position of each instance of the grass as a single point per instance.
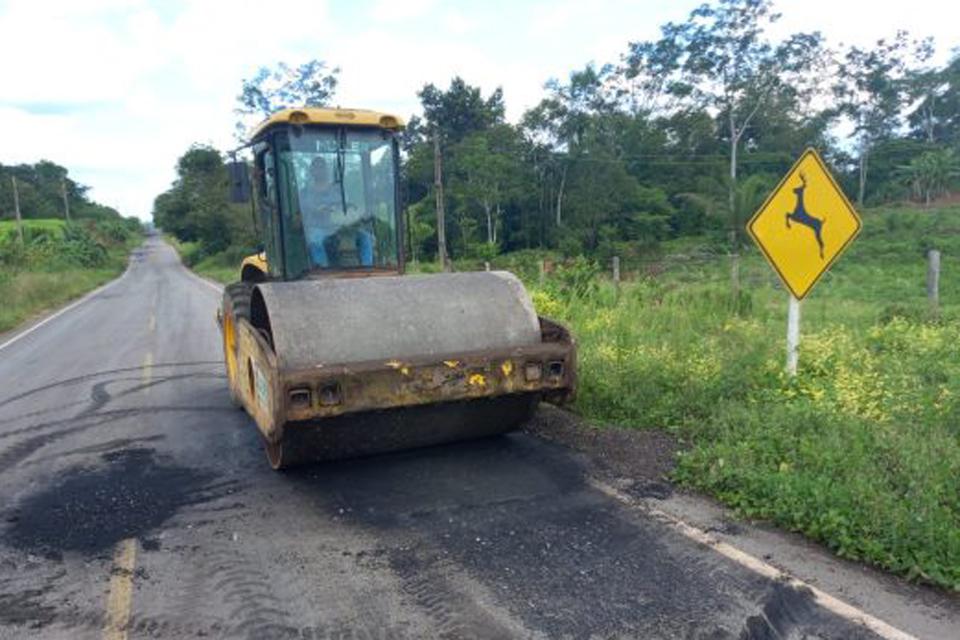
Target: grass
(9, 227)
(29, 293)
(860, 451)
(50, 274)
(222, 267)
(216, 268)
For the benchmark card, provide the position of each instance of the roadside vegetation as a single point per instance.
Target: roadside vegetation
(659, 159)
(860, 451)
(223, 267)
(211, 235)
(56, 260)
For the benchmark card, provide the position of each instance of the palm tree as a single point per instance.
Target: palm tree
(931, 173)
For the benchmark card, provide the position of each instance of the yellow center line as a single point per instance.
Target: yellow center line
(146, 373)
(121, 590)
(152, 323)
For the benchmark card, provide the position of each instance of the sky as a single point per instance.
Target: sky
(117, 90)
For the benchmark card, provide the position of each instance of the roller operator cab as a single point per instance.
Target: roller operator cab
(335, 353)
(326, 194)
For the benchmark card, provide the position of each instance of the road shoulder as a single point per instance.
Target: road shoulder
(635, 464)
(44, 316)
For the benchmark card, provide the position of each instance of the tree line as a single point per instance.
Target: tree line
(684, 134)
(196, 208)
(42, 188)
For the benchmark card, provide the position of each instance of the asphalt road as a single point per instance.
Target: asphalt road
(136, 502)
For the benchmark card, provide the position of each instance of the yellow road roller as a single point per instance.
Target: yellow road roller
(335, 352)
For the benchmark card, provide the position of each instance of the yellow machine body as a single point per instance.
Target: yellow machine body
(331, 349)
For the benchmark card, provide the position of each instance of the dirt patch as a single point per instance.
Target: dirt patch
(637, 460)
(91, 509)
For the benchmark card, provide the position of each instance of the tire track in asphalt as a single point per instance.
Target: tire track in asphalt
(457, 615)
(97, 374)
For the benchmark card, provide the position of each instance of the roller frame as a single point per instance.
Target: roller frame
(264, 388)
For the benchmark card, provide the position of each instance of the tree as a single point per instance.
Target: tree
(487, 166)
(196, 207)
(310, 84)
(459, 111)
(873, 91)
(451, 116)
(607, 205)
(924, 84)
(931, 173)
(936, 92)
(39, 187)
(561, 121)
(720, 59)
(420, 227)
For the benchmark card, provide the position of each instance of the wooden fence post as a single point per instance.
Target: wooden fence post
(735, 280)
(16, 208)
(66, 201)
(616, 275)
(933, 280)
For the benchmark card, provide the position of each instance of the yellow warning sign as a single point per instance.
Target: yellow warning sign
(805, 224)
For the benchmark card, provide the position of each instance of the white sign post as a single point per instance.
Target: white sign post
(793, 335)
(802, 228)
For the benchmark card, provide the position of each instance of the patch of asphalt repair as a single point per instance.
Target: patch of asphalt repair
(90, 509)
(509, 537)
(640, 461)
(516, 516)
(634, 465)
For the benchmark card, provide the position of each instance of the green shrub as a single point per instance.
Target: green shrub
(577, 278)
(80, 248)
(57, 262)
(860, 451)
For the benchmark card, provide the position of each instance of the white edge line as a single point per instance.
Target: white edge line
(744, 559)
(193, 274)
(57, 314)
(216, 287)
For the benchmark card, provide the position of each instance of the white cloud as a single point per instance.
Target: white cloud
(863, 23)
(117, 89)
(391, 11)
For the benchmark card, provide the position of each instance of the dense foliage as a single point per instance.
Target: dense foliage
(58, 261)
(860, 451)
(40, 187)
(47, 260)
(682, 136)
(50, 242)
(55, 245)
(196, 208)
(659, 158)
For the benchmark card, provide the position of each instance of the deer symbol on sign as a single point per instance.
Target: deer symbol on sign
(800, 215)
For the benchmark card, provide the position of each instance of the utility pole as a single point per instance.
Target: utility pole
(66, 202)
(438, 192)
(16, 208)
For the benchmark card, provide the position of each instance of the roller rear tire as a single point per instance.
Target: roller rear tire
(375, 432)
(236, 305)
